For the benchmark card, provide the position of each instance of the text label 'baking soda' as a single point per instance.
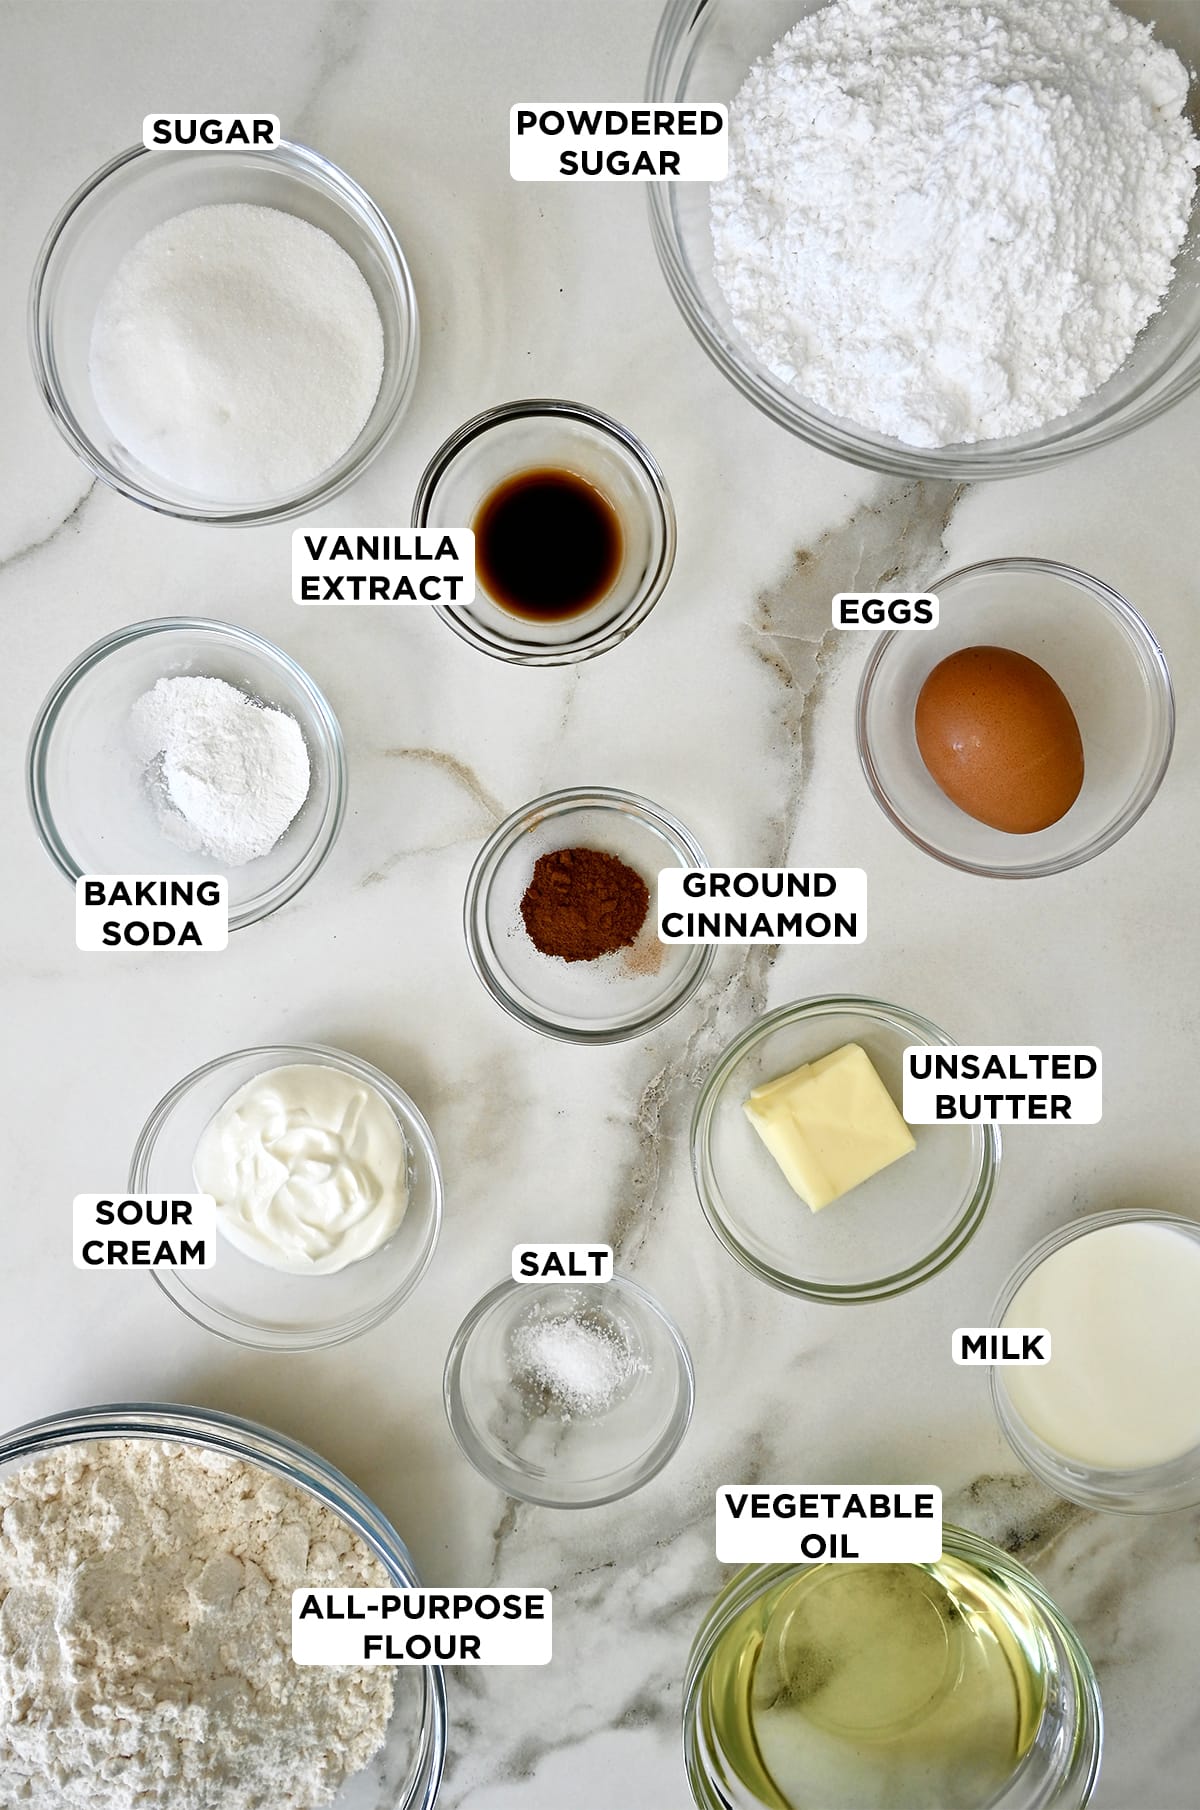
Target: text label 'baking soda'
(762, 905)
(120, 1231)
(596, 141)
(562, 1262)
(884, 609)
(203, 130)
(151, 911)
(1001, 1345)
(421, 1627)
(882, 1524)
(394, 565)
(1002, 1084)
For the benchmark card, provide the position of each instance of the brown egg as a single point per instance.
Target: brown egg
(1000, 739)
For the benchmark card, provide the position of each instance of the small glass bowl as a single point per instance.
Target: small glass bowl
(1059, 1769)
(534, 1454)
(407, 1774)
(248, 1302)
(528, 435)
(138, 190)
(1153, 1489)
(1107, 663)
(884, 1237)
(604, 1001)
(87, 790)
(702, 54)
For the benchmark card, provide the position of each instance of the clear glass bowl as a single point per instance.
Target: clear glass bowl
(87, 790)
(605, 1001)
(1058, 1771)
(249, 1302)
(702, 53)
(537, 1456)
(407, 1774)
(138, 190)
(1105, 660)
(1154, 1489)
(528, 435)
(883, 1238)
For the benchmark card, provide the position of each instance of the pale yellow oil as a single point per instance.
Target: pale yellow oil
(877, 1687)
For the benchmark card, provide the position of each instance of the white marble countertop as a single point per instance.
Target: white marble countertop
(731, 706)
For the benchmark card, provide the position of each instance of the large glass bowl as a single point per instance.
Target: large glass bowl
(407, 1773)
(702, 53)
(138, 190)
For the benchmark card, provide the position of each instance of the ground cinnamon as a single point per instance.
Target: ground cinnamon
(582, 903)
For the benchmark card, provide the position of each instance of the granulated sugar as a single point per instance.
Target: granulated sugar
(948, 221)
(237, 352)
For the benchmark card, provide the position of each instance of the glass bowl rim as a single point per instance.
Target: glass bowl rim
(417, 1133)
(367, 216)
(483, 871)
(330, 735)
(970, 1215)
(634, 1475)
(1138, 630)
(250, 1441)
(970, 462)
(1131, 1490)
(584, 646)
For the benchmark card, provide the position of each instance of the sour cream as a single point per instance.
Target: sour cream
(308, 1166)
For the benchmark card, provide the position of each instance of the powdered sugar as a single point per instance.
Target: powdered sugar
(226, 775)
(948, 221)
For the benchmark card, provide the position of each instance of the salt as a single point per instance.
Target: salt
(575, 1364)
(237, 352)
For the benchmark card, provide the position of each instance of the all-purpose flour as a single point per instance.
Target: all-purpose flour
(145, 1636)
(948, 221)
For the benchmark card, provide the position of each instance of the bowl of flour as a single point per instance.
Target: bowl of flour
(955, 239)
(182, 746)
(227, 335)
(148, 1554)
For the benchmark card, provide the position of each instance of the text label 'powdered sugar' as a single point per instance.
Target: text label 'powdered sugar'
(604, 141)
(762, 905)
(872, 1523)
(421, 1627)
(123, 1231)
(1002, 1084)
(393, 565)
(151, 911)
(885, 609)
(1000, 1345)
(562, 1263)
(201, 131)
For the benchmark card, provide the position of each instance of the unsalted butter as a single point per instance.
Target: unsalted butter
(829, 1124)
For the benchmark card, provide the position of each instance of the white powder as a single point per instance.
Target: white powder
(226, 774)
(145, 1636)
(237, 352)
(948, 221)
(572, 1363)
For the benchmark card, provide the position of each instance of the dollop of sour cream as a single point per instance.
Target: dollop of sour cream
(308, 1166)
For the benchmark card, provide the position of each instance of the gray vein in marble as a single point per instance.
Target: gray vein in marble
(457, 770)
(36, 546)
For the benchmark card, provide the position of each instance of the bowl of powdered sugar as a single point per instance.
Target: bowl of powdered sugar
(161, 1545)
(955, 239)
(182, 746)
(226, 335)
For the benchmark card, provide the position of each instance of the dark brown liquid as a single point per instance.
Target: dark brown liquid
(548, 545)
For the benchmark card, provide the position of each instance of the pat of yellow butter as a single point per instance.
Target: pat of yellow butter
(830, 1125)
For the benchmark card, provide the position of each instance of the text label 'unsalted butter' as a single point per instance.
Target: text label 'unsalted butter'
(1002, 1084)
(151, 911)
(421, 1627)
(394, 565)
(762, 905)
(602, 141)
(562, 1263)
(869, 1523)
(122, 1231)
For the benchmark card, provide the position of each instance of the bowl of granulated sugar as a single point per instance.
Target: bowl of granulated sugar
(227, 336)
